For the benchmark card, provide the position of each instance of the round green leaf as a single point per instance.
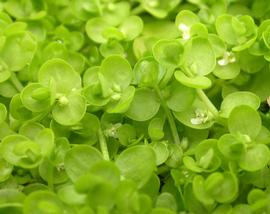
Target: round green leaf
(230, 147)
(181, 97)
(229, 71)
(43, 202)
(198, 186)
(244, 120)
(155, 128)
(159, 8)
(126, 134)
(255, 158)
(137, 163)
(168, 52)
(131, 27)
(36, 98)
(60, 74)
(69, 195)
(90, 75)
(24, 45)
(223, 187)
(175, 158)
(191, 165)
(250, 63)
(115, 12)
(144, 105)
(225, 29)
(80, 159)
(93, 88)
(111, 48)
(146, 72)
(45, 139)
(69, 110)
(236, 99)
(10, 197)
(219, 46)
(20, 151)
(95, 28)
(199, 56)
(166, 200)
(117, 71)
(122, 105)
(17, 109)
(162, 152)
(5, 169)
(187, 18)
(53, 50)
(200, 82)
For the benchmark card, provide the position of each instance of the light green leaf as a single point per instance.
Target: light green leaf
(69, 110)
(236, 99)
(23, 45)
(95, 28)
(200, 82)
(117, 71)
(181, 97)
(244, 120)
(168, 52)
(199, 56)
(131, 27)
(60, 74)
(80, 159)
(137, 163)
(255, 158)
(144, 105)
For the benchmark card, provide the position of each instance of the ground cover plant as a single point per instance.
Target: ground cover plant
(134, 107)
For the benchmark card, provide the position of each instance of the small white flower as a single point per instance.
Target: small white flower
(228, 57)
(116, 96)
(63, 101)
(196, 121)
(201, 117)
(112, 131)
(223, 62)
(185, 31)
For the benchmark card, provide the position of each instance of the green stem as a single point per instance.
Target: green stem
(137, 10)
(50, 176)
(16, 82)
(103, 145)
(163, 169)
(169, 117)
(207, 102)
(181, 195)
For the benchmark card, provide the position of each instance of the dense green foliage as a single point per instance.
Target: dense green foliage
(134, 106)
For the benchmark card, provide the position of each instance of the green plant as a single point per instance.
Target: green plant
(134, 106)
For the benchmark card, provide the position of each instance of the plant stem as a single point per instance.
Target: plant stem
(207, 102)
(103, 145)
(137, 10)
(181, 195)
(169, 117)
(18, 85)
(50, 176)
(163, 169)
